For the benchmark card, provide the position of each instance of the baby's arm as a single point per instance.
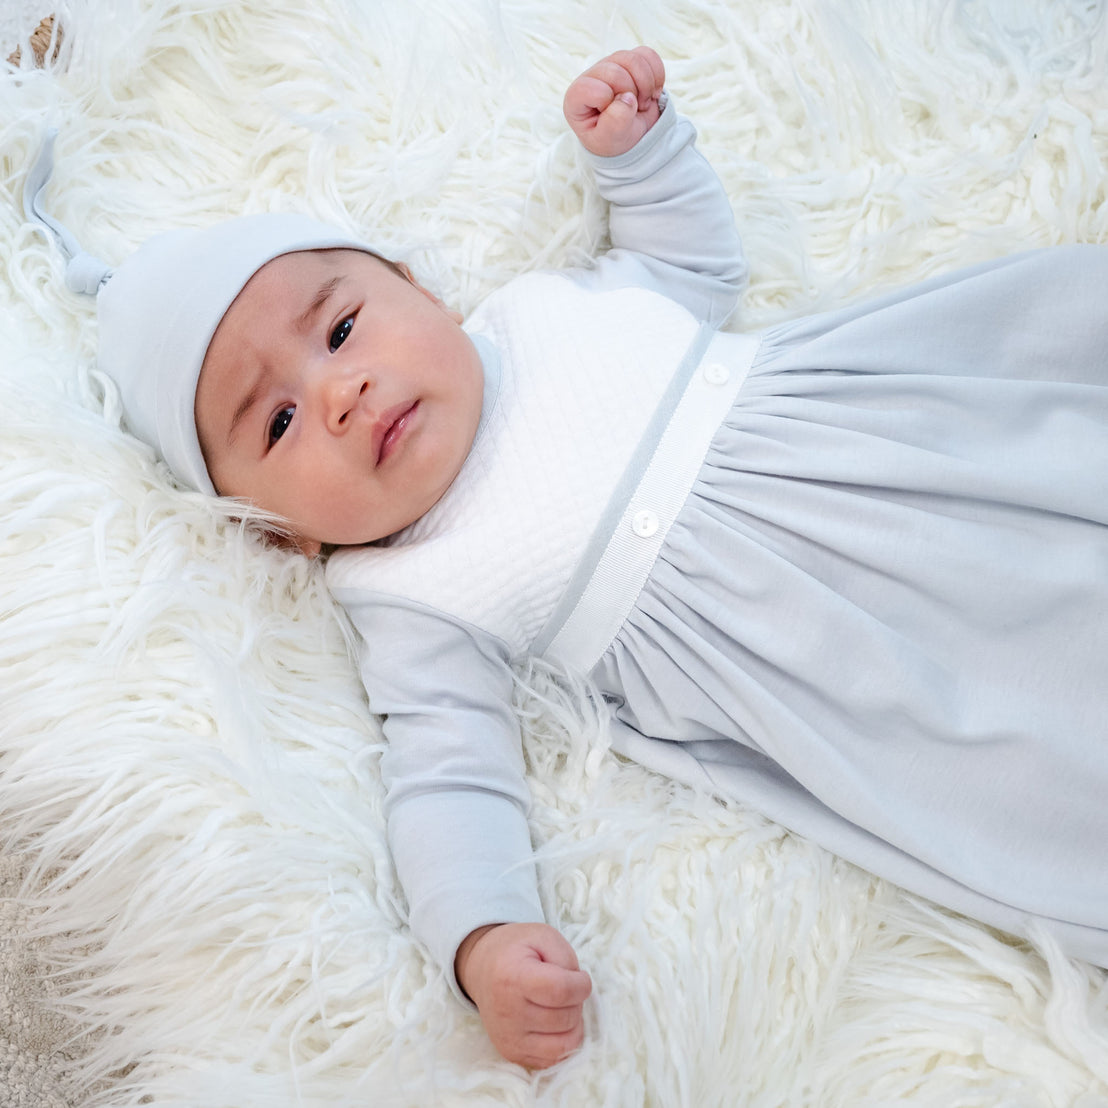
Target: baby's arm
(457, 827)
(670, 220)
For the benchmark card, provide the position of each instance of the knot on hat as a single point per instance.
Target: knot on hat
(162, 305)
(85, 273)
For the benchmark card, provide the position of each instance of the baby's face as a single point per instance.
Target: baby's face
(338, 394)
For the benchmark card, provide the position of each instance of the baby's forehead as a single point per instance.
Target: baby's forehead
(283, 283)
(305, 263)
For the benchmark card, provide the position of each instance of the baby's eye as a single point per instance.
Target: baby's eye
(280, 424)
(341, 333)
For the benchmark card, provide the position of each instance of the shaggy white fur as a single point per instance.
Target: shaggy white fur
(188, 771)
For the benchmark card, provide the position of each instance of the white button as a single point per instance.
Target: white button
(716, 374)
(644, 524)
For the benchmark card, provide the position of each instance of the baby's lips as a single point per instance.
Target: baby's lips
(386, 429)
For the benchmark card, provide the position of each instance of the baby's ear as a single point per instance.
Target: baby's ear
(404, 271)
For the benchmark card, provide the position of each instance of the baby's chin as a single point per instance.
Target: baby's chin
(348, 529)
(313, 548)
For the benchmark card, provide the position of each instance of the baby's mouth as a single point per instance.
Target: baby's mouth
(393, 424)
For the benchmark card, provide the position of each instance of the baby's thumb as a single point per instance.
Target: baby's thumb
(550, 945)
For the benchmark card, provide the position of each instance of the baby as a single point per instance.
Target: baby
(853, 571)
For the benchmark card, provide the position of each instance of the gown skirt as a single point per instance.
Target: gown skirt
(881, 617)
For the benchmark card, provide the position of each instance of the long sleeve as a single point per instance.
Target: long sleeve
(457, 799)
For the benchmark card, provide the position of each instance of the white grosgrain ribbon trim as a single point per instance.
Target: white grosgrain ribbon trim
(637, 537)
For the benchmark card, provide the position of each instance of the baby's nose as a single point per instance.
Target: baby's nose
(343, 393)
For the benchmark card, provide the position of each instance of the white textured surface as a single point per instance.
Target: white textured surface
(186, 763)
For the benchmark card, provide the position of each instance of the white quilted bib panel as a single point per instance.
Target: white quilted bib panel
(581, 375)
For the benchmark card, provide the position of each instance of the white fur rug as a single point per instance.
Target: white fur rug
(190, 809)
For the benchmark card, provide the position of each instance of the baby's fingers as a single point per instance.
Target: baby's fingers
(555, 1029)
(644, 68)
(556, 987)
(538, 1051)
(616, 101)
(589, 97)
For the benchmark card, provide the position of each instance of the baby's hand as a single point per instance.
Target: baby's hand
(613, 104)
(526, 983)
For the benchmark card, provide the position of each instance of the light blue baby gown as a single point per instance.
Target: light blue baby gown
(891, 585)
(880, 615)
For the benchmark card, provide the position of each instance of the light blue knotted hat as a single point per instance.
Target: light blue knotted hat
(159, 309)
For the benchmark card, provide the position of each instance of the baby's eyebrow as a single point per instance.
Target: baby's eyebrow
(303, 321)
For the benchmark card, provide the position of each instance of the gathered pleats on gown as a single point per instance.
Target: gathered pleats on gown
(882, 614)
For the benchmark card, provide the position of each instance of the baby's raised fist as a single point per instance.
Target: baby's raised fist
(615, 102)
